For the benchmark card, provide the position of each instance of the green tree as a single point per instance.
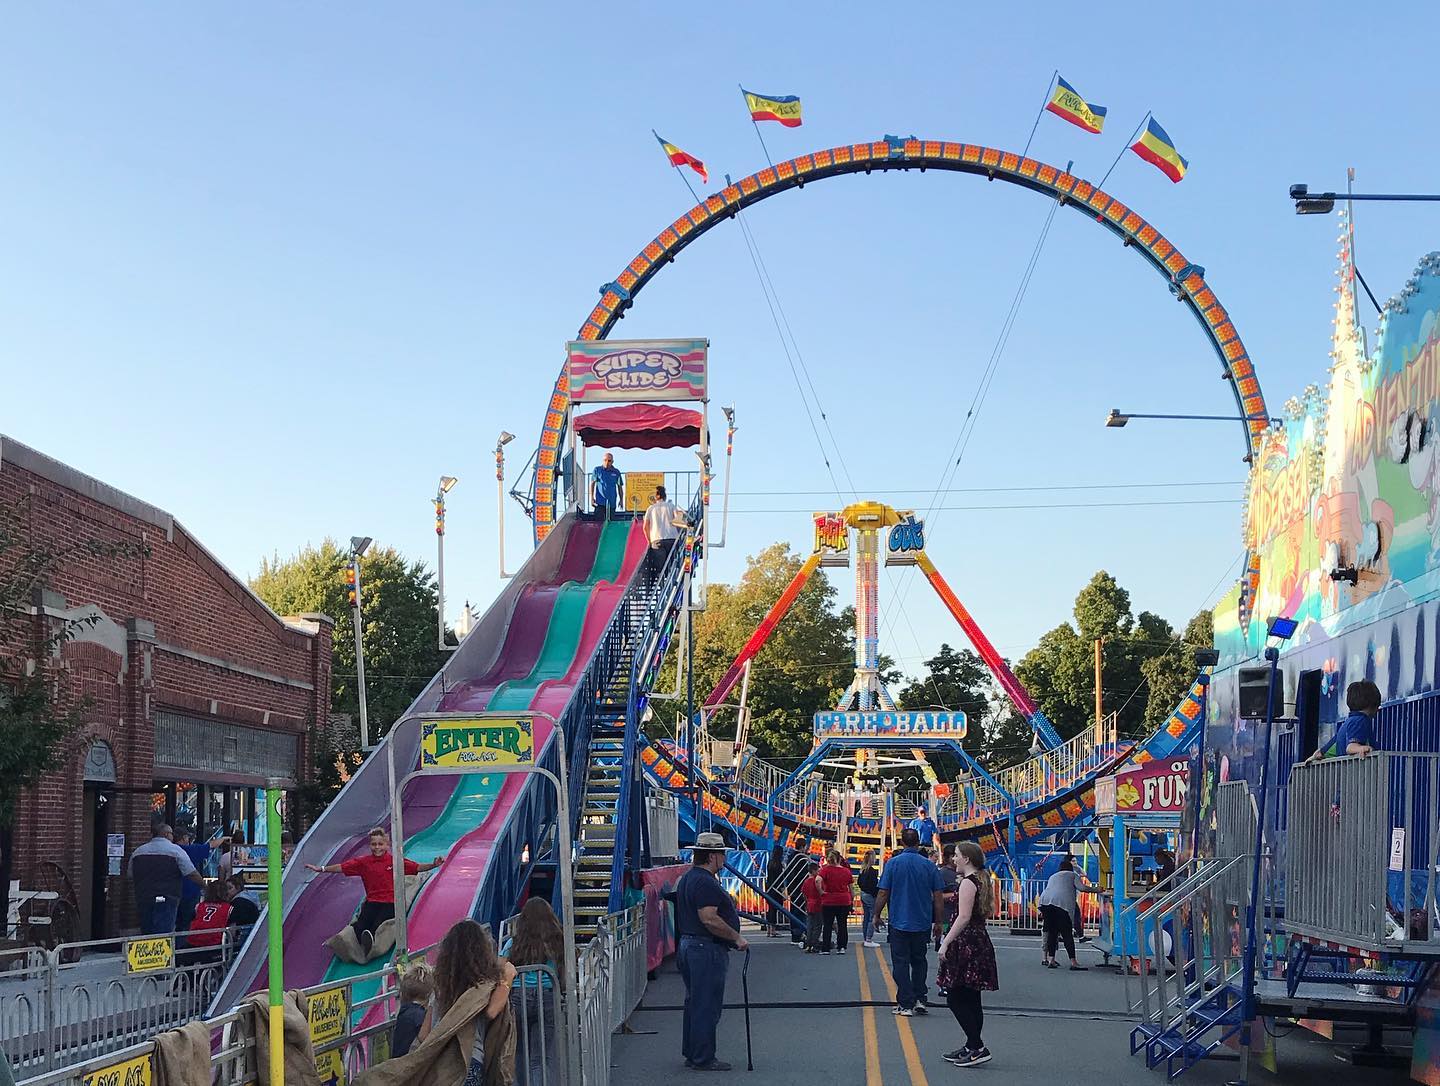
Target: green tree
(1145, 666)
(398, 602)
(803, 668)
(39, 715)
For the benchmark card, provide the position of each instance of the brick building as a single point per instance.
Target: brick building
(197, 691)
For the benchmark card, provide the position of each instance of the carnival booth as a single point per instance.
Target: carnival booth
(1137, 824)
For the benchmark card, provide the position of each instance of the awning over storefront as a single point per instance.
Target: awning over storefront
(640, 426)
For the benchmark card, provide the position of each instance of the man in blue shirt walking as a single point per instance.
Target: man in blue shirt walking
(911, 886)
(608, 489)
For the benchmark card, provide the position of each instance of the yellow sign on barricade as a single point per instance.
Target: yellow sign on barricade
(136, 1072)
(326, 1011)
(331, 1068)
(640, 489)
(481, 742)
(147, 955)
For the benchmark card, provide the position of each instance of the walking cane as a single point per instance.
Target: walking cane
(745, 989)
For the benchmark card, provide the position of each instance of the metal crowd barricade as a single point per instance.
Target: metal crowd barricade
(1363, 843)
(1017, 906)
(83, 1000)
(662, 809)
(593, 992)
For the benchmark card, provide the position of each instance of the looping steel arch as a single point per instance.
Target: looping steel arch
(1186, 280)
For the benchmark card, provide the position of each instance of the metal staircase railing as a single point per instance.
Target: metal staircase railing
(1187, 949)
(652, 637)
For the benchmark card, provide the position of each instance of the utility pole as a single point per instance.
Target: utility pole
(1099, 690)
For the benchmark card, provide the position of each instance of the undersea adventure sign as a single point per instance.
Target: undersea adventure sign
(484, 741)
(883, 724)
(637, 369)
(147, 955)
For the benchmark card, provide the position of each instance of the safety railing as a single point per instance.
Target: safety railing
(594, 993)
(1362, 845)
(1018, 906)
(83, 1000)
(1185, 944)
(625, 934)
(662, 810)
(1051, 772)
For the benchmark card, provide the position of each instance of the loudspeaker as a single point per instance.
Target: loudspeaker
(1254, 692)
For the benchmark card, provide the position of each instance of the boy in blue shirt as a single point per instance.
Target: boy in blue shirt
(1356, 733)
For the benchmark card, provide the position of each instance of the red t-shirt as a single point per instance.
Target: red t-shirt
(835, 882)
(378, 875)
(211, 920)
(811, 891)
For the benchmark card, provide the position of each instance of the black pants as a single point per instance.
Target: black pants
(1058, 927)
(372, 915)
(656, 557)
(839, 916)
(965, 1005)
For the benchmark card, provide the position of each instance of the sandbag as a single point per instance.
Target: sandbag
(182, 1056)
(299, 1053)
(345, 945)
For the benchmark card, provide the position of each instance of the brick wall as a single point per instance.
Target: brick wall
(172, 629)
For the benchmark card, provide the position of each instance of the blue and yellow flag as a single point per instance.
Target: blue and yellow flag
(1154, 147)
(1067, 103)
(784, 108)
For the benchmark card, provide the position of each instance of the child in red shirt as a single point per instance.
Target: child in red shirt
(212, 917)
(812, 891)
(377, 872)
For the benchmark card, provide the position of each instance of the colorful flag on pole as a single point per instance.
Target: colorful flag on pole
(1154, 147)
(1067, 103)
(784, 108)
(681, 158)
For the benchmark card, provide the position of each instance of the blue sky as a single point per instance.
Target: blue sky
(277, 268)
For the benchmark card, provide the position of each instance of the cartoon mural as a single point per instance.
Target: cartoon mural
(1343, 509)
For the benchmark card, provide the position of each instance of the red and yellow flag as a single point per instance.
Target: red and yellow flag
(1067, 103)
(682, 158)
(784, 108)
(1154, 147)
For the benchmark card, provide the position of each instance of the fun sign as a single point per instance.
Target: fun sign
(1156, 787)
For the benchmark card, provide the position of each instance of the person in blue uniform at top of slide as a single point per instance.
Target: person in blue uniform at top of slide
(925, 826)
(1356, 733)
(608, 489)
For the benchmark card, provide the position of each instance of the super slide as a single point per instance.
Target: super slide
(527, 652)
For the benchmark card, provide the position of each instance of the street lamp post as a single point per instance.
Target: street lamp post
(1322, 203)
(504, 439)
(446, 483)
(1117, 418)
(359, 544)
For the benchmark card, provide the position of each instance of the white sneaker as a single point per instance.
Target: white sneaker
(841, 950)
(872, 946)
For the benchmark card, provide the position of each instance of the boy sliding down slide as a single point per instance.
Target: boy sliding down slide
(377, 871)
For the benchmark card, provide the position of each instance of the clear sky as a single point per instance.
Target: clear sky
(276, 268)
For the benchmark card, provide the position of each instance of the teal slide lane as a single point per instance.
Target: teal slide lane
(567, 620)
(469, 806)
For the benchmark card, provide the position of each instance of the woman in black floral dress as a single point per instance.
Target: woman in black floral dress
(967, 957)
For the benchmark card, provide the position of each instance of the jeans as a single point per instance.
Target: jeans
(702, 963)
(1057, 928)
(838, 917)
(907, 961)
(813, 923)
(867, 918)
(159, 918)
(965, 1006)
(537, 1059)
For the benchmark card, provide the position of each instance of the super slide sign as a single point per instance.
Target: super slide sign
(484, 741)
(883, 724)
(637, 369)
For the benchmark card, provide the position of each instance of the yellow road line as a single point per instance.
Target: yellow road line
(907, 1037)
(872, 1040)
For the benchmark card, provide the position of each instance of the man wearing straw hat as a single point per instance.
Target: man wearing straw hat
(709, 928)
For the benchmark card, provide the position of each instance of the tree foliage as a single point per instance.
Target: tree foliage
(803, 668)
(1146, 667)
(398, 604)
